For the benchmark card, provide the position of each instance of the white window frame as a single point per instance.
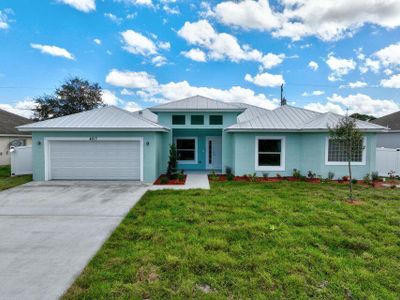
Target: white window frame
(186, 162)
(344, 163)
(281, 167)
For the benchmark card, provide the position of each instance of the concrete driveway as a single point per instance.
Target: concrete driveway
(49, 232)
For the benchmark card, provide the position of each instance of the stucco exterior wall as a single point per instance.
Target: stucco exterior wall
(152, 161)
(388, 140)
(303, 151)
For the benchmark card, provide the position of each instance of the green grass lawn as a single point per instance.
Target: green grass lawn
(6, 181)
(288, 240)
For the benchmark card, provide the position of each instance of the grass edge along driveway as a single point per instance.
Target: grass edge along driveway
(291, 240)
(7, 182)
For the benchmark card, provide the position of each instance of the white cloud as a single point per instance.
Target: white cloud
(265, 79)
(136, 43)
(171, 10)
(158, 60)
(23, 108)
(97, 41)
(247, 14)
(327, 107)
(82, 5)
(313, 65)
(164, 45)
(296, 19)
(127, 92)
(132, 106)
(390, 55)
(149, 90)
(220, 46)
(128, 79)
(53, 50)
(109, 98)
(339, 66)
(313, 93)
(370, 65)
(4, 20)
(354, 85)
(271, 60)
(364, 104)
(392, 82)
(142, 2)
(113, 18)
(195, 54)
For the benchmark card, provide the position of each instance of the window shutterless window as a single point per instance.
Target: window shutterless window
(197, 120)
(186, 149)
(178, 119)
(336, 153)
(216, 120)
(270, 153)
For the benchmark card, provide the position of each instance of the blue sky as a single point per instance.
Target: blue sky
(331, 57)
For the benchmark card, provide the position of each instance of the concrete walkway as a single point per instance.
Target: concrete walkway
(193, 181)
(50, 230)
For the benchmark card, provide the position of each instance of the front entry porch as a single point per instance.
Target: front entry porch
(198, 149)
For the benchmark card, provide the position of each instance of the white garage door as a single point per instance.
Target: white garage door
(94, 160)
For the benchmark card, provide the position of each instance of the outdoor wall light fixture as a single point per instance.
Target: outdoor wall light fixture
(147, 143)
(39, 143)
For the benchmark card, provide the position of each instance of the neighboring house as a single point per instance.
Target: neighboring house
(111, 143)
(390, 138)
(10, 136)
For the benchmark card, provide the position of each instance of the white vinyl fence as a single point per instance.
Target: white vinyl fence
(21, 160)
(387, 160)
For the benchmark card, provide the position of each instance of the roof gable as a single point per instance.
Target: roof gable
(8, 122)
(104, 118)
(196, 103)
(392, 121)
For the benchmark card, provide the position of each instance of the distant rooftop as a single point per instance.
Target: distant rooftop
(8, 122)
(392, 121)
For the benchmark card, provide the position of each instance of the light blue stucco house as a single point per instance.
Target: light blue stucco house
(113, 144)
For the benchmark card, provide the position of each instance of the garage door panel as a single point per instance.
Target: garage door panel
(91, 160)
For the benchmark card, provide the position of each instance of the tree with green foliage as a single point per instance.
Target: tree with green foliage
(172, 161)
(350, 137)
(362, 117)
(75, 95)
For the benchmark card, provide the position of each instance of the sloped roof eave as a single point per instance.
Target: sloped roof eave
(147, 129)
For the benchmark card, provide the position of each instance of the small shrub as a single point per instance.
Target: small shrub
(311, 175)
(345, 178)
(375, 176)
(230, 176)
(278, 175)
(354, 181)
(367, 179)
(228, 170)
(213, 176)
(296, 173)
(252, 177)
(265, 175)
(181, 176)
(164, 180)
(331, 175)
(391, 174)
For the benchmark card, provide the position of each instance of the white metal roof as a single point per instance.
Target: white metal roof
(290, 118)
(251, 111)
(196, 103)
(104, 118)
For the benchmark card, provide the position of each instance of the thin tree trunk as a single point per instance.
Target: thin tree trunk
(350, 152)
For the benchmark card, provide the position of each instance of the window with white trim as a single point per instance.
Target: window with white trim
(270, 153)
(336, 152)
(186, 148)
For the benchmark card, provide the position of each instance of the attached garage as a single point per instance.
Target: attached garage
(102, 159)
(107, 143)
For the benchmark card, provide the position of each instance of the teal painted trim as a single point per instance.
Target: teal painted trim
(304, 151)
(152, 156)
